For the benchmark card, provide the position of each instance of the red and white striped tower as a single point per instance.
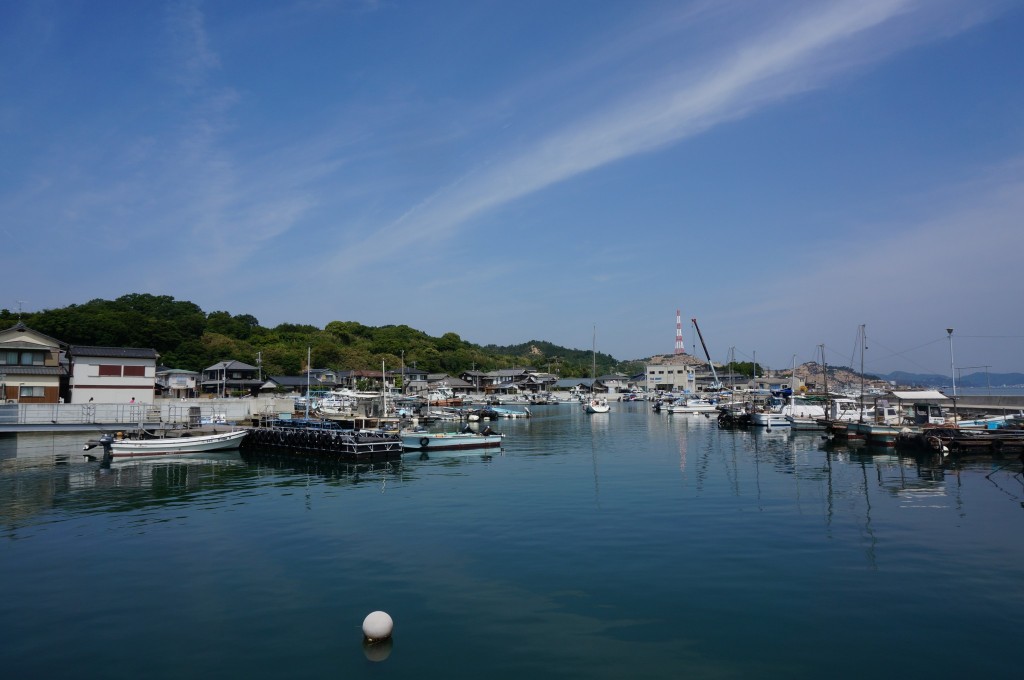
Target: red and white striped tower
(680, 348)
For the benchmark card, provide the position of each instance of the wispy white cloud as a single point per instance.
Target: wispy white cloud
(192, 57)
(795, 53)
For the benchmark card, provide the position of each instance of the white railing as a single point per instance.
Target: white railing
(177, 413)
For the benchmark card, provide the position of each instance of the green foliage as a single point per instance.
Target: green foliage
(744, 368)
(186, 337)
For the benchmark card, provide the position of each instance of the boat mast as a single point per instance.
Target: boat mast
(824, 379)
(863, 346)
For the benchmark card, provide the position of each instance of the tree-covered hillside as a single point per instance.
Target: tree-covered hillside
(189, 338)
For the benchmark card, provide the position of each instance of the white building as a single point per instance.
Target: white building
(178, 383)
(112, 375)
(671, 377)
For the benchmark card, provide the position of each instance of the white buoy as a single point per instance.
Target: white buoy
(377, 626)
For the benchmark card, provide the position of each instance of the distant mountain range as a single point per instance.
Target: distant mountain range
(968, 380)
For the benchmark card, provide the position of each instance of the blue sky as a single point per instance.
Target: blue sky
(782, 171)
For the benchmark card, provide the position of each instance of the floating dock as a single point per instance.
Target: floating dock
(321, 439)
(957, 441)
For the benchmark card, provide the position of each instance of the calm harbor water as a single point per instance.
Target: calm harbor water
(631, 544)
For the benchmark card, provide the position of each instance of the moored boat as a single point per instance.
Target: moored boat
(168, 446)
(446, 441)
(805, 422)
(693, 405)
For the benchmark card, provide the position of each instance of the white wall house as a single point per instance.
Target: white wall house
(113, 375)
(178, 383)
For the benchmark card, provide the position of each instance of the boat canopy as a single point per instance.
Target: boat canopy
(920, 395)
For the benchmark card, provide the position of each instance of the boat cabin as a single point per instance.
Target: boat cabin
(928, 414)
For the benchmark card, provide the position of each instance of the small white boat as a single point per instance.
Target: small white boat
(693, 406)
(595, 404)
(779, 415)
(446, 441)
(168, 446)
(768, 419)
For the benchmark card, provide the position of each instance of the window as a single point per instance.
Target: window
(136, 371)
(14, 358)
(107, 370)
(30, 391)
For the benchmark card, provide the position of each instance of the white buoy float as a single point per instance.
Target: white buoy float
(377, 626)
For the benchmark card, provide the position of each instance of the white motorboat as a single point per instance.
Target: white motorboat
(694, 405)
(798, 408)
(768, 419)
(168, 446)
(596, 405)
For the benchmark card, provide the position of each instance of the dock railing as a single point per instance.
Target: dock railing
(163, 412)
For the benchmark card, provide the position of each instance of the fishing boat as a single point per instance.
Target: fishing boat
(443, 395)
(805, 422)
(167, 446)
(446, 441)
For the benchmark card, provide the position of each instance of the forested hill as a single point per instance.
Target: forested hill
(189, 338)
(551, 358)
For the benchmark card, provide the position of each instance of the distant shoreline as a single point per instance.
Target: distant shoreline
(1001, 391)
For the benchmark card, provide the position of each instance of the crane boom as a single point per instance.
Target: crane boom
(717, 384)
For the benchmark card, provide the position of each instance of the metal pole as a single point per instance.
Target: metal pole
(952, 366)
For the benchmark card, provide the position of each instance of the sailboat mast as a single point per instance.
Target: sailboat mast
(824, 379)
(863, 346)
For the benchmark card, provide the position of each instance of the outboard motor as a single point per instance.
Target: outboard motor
(105, 441)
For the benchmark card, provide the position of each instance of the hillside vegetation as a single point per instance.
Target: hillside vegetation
(189, 338)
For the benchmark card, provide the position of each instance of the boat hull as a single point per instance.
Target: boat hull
(769, 420)
(176, 446)
(693, 408)
(448, 441)
(805, 423)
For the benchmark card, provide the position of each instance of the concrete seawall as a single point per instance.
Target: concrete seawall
(1001, 403)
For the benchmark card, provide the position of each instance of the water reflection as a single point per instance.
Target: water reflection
(647, 543)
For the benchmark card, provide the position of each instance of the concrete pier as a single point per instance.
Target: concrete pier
(991, 404)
